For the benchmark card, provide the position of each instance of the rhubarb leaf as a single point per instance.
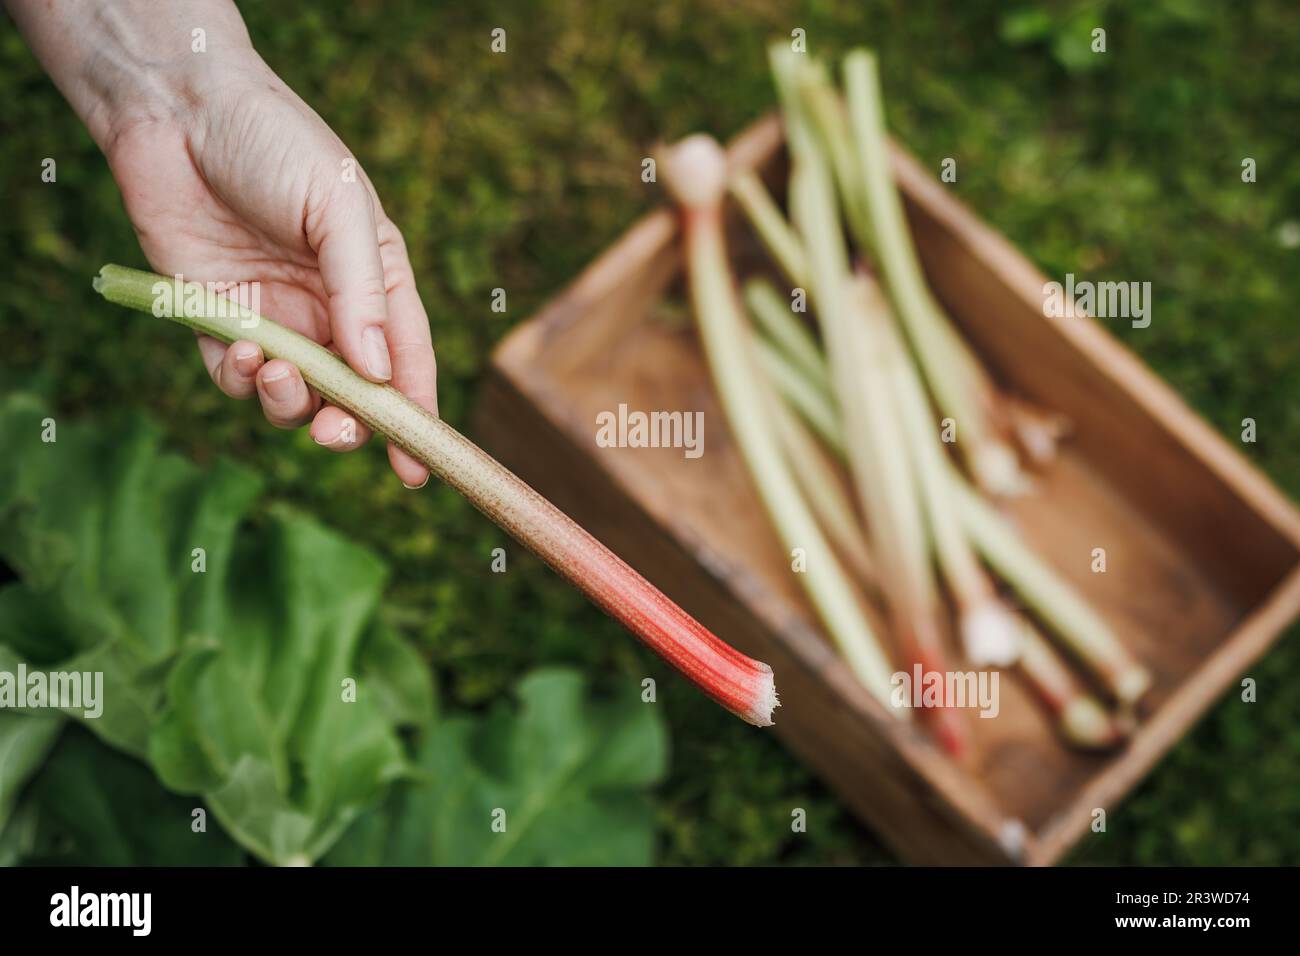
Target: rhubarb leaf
(101, 528)
(559, 780)
(92, 806)
(242, 659)
(274, 722)
(24, 744)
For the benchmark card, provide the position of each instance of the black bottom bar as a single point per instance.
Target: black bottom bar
(911, 906)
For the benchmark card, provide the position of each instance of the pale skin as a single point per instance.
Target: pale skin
(229, 177)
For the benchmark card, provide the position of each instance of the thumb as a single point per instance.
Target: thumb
(343, 234)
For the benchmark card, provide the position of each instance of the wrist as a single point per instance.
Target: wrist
(126, 62)
(157, 90)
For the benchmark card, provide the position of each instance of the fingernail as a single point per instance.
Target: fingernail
(416, 487)
(279, 385)
(374, 349)
(325, 441)
(246, 360)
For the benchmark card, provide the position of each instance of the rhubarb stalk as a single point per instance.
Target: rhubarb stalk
(959, 385)
(989, 631)
(887, 484)
(816, 472)
(1081, 718)
(740, 684)
(805, 395)
(879, 472)
(765, 216)
(695, 170)
(1086, 634)
(776, 319)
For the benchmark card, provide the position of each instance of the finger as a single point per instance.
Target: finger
(413, 475)
(237, 373)
(341, 229)
(285, 398)
(338, 430)
(211, 351)
(415, 371)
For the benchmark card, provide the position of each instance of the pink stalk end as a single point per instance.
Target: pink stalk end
(739, 683)
(926, 650)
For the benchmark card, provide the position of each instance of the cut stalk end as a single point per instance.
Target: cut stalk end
(1086, 723)
(765, 700)
(1036, 431)
(1131, 685)
(991, 634)
(997, 470)
(696, 171)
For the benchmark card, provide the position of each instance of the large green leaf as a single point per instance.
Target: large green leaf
(260, 680)
(100, 527)
(558, 781)
(90, 806)
(267, 687)
(24, 743)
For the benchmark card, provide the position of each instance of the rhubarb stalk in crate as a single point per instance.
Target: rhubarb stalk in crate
(695, 171)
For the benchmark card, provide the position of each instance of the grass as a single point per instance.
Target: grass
(515, 170)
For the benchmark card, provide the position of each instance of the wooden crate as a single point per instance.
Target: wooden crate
(1203, 552)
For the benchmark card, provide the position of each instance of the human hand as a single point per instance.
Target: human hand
(250, 185)
(229, 177)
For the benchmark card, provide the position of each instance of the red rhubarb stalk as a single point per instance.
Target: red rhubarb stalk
(740, 684)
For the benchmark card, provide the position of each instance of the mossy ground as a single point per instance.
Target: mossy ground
(515, 170)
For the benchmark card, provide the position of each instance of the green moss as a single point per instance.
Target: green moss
(516, 170)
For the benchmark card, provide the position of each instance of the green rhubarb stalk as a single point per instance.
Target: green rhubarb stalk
(828, 121)
(989, 631)
(1077, 624)
(777, 320)
(766, 218)
(785, 65)
(887, 477)
(950, 374)
(695, 171)
(879, 474)
(816, 473)
(887, 481)
(813, 403)
(1081, 718)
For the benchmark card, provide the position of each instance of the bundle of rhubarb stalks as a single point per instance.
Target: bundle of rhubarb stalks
(877, 442)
